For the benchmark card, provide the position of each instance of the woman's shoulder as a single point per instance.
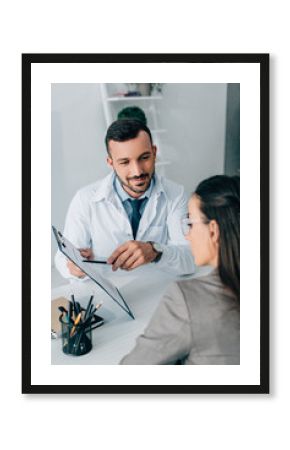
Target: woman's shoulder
(207, 287)
(210, 278)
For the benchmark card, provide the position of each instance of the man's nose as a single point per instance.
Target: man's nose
(136, 169)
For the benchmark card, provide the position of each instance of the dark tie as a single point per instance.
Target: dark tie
(136, 216)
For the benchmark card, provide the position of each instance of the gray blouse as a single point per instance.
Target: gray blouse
(196, 322)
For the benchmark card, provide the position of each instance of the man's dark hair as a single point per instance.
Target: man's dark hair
(132, 112)
(220, 201)
(125, 129)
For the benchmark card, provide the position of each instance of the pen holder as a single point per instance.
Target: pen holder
(76, 339)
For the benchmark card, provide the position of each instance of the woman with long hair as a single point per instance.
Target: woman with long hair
(198, 319)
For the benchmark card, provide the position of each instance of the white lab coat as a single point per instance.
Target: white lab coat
(96, 219)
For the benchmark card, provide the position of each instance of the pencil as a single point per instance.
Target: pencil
(75, 324)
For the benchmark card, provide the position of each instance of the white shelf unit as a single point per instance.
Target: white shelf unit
(112, 104)
(136, 98)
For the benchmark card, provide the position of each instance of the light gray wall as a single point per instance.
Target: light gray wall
(194, 116)
(77, 144)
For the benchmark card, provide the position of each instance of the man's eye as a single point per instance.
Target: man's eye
(145, 157)
(124, 163)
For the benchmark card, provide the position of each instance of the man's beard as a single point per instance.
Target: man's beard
(136, 189)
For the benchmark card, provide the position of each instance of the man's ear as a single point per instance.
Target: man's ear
(110, 161)
(214, 231)
(154, 149)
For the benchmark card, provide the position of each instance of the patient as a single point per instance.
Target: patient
(198, 320)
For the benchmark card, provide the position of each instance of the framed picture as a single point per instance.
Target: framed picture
(207, 115)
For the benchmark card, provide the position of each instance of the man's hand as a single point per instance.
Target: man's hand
(73, 269)
(132, 254)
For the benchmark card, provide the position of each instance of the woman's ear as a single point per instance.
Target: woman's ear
(214, 231)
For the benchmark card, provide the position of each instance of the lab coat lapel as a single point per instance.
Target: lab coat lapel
(151, 208)
(149, 212)
(105, 193)
(120, 215)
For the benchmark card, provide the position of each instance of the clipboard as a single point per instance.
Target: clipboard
(73, 254)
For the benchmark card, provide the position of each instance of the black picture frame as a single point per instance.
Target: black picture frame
(263, 61)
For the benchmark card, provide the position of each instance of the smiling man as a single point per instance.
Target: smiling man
(133, 216)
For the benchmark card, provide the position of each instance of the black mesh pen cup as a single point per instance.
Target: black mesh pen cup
(76, 339)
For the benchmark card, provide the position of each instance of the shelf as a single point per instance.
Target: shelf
(148, 102)
(134, 98)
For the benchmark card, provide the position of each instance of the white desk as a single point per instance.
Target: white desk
(117, 336)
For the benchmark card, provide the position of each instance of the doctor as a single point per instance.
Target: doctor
(133, 216)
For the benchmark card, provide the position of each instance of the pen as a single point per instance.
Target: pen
(88, 307)
(74, 304)
(78, 308)
(91, 313)
(75, 324)
(94, 261)
(93, 310)
(69, 310)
